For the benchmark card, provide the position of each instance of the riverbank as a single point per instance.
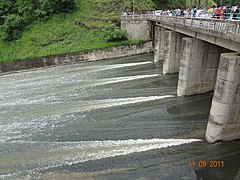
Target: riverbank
(83, 29)
(83, 56)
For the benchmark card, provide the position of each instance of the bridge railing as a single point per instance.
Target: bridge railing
(220, 25)
(137, 16)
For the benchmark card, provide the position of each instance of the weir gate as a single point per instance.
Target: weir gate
(206, 54)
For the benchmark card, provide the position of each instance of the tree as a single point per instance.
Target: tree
(16, 14)
(116, 7)
(63, 5)
(5, 9)
(162, 4)
(144, 5)
(25, 9)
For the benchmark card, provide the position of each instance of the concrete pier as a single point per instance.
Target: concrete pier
(198, 67)
(198, 44)
(224, 118)
(159, 41)
(173, 52)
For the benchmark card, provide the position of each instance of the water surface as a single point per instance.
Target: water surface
(113, 119)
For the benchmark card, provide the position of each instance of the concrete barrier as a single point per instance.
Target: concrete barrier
(70, 58)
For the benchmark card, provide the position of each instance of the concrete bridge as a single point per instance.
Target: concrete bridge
(206, 54)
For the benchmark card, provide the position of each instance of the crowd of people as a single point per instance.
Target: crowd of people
(218, 12)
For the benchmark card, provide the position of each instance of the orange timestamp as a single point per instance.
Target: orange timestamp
(204, 163)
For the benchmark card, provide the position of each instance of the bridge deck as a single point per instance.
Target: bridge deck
(224, 33)
(223, 26)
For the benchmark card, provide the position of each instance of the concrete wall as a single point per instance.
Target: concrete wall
(198, 67)
(98, 54)
(173, 52)
(137, 28)
(159, 42)
(224, 118)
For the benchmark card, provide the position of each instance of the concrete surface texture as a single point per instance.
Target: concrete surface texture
(198, 67)
(224, 118)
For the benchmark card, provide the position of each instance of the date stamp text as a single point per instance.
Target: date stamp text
(204, 164)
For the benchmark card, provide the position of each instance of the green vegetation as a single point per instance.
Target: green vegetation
(113, 34)
(89, 26)
(162, 4)
(15, 15)
(202, 3)
(34, 28)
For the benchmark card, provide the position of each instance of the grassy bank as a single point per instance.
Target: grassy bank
(66, 32)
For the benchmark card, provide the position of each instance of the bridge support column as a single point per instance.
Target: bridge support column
(224, 118)
(173, 52)
(159, 44)
(198, 67)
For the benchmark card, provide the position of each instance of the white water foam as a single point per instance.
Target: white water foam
(120, 79)
(96, 68)
(116, 66)
(93, 150)
(70, 153)
(7, 176)
(28, 101)
(24, 83)
(13, 130)
(106, 103)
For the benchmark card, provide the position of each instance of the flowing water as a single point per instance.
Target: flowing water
(113, 119)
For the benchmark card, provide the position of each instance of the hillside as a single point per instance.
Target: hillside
(83, 29)
(180, 3)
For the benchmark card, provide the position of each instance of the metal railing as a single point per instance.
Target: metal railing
(220, 25)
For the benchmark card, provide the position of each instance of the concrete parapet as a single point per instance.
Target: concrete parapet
(173, 52)
(198, 67)
(159, 44)
(70, 58)
(224, 118)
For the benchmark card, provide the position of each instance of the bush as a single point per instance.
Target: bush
(113, 34)
(13, 25)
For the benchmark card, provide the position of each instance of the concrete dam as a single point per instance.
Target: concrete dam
(118, 118)
(206, 54)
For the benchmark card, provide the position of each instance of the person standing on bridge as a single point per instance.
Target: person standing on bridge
(222, 13)
(217, 12)
(212, 9)
(186, 12)
(194, 11)
(227, 12)
(236, 15)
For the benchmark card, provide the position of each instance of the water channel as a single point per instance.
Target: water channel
(111, 119)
